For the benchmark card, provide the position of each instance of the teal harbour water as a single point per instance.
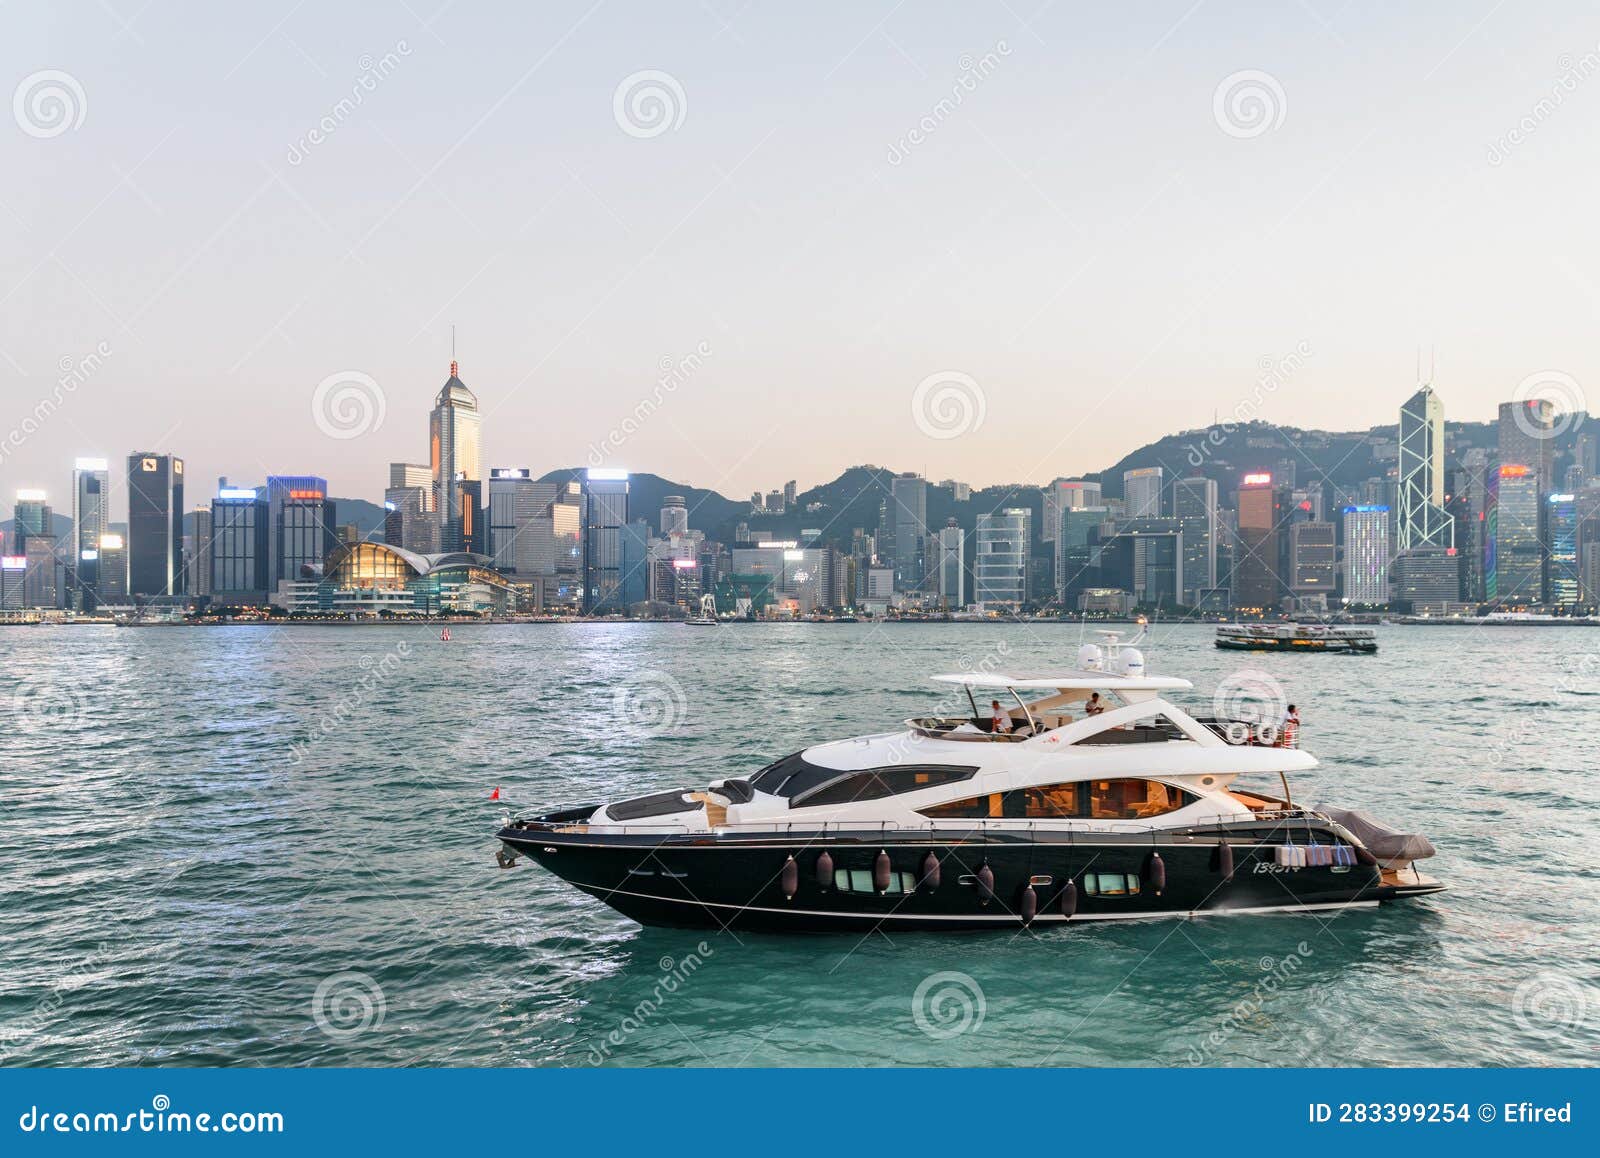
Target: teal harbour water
(274, 846)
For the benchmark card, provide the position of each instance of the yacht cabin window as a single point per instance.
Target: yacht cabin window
(876, 783)
(1122, 799)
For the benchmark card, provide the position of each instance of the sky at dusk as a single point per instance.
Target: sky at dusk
(996, 242)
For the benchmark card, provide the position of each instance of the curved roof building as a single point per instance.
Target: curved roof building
(377, 576)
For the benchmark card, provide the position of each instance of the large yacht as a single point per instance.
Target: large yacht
(1029, 799)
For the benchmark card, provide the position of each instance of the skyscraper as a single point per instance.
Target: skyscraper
(1145, 557)
(675, 515)
(516, 501)
(155, 524)
(1422, 520)
(1562, 583)
(1194, 505)
(1256, 588)
(908, 512)
(241, 570)
(301, 527)
(1526, 434)
(91, 492)
(454, 433)
(31, 518)
(1313, 558)
(605, 514)
(412, 522)
(1077, 561)
(1472, 527)
(39, 587)
(1141, 492)
(197, 578)
(1000, 558)
(113, 568)
(952, 567)
(1366, 554)
(1515, 570)
(1064, 494)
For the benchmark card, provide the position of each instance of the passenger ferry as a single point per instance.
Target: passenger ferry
(1043, 799)
(1296, 637)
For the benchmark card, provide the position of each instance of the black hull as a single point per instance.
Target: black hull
(737, 882)
(1308, 645)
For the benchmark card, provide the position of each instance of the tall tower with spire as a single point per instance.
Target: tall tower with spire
(454, 441)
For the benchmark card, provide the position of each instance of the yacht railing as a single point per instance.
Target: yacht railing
(1251, 734)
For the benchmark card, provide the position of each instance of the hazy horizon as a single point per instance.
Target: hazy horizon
(995, 243)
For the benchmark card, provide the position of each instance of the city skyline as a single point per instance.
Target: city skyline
(1125, 252)
(372, 490)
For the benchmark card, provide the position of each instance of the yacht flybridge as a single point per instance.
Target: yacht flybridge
(1035, 799)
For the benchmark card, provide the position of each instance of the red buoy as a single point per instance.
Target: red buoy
(985, 882)
(1069, 899)
(1028, 904)
(880, 872)
(930, 872)
(1156, 872)
(789, 879)
(825, 869)
(1225, 861)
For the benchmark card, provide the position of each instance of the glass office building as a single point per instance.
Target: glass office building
(155, 524)
(1515, 571)
(1561, 527)
(605, 514)
(91, 492)
(239, 549)
(1000, 558)
(301, 518)
(454, 435)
